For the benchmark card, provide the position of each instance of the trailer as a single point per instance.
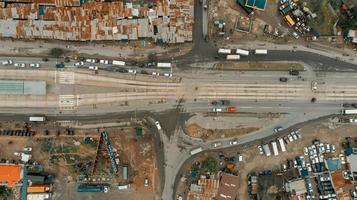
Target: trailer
(242, 52)
(233, 57)
(92, 188)
(224, 51)
(38, 189)
(38, 196)
(349, 111)
(196, 151)
(275, 148)
(37, 119)
(266, 150)
(261, 52)
(118, 62)
(164, 65)
(282, 145)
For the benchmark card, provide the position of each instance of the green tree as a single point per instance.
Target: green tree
(210, 165)
(152, 57)
(56, 52)
(5, 192)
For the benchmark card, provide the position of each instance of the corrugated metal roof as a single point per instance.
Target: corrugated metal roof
(10, 174)
(97, 21)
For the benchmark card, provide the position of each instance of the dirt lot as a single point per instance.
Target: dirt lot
(67, 156)
(259, 66)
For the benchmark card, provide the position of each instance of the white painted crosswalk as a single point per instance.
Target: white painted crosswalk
(66, 77)
(68, 102)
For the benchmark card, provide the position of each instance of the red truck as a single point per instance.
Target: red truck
(231, 109)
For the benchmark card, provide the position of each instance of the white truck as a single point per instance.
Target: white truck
(275, 148)
(196, 151)
(37, 119)
(349, 111)
(233, 57)
(261, 52)
(38, 196)
(119, 63)
(282, 145)
(224, 51)
(163, 65)
(266, 150)
(7, 62)
(242, 52)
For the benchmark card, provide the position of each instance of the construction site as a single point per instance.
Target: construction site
(63, 160)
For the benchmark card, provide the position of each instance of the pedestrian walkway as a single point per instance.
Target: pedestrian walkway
(66, 78)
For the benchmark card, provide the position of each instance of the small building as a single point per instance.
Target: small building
(228, 187)
(204, 189)
(256, 4)
(297, 186)
(352, 34)
(10, 175)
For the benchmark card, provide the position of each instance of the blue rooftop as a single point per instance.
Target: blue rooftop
(256, 4)
(333, 164)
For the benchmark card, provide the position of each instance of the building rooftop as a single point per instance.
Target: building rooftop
(168, 21)
(339, 183)
(333, 164)
(297, 185)
(228, 187)
(22, 87)
(352, 159)
(10, 174)
(206, 189)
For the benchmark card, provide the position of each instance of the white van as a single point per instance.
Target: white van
(123, 187)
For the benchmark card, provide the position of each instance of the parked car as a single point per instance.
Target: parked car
(233, 142)
(217, 144)
(158, 126)
(7, 62)
(91, 60)
(283, 79)
(35, 65)
(278, 129)
(79, 63)
(261, 152)
(104, 61)
(28, 149)
(217, 109)
(19, 64)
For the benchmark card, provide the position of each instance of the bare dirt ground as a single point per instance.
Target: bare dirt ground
(210, 127)
(324, 131)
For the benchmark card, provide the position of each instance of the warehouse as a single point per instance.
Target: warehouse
(21, 87)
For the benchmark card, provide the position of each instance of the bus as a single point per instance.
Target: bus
(37, 119)
(164, 65)
(224, 51)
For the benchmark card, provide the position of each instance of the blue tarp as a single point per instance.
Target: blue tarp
(333, 164)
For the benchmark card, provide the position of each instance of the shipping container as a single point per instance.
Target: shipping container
(233, 57)
(282, 145)
(37, 119)
(224, 51)
(275, 148)
(125, 172)
(38, 189)
(350, 111)
(196, 151)
(39, 196)
(242, 52)
(266, 150)
(261, 52)
(164, 65)
(119, 63)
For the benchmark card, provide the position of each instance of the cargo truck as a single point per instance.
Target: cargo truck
(231, 109)
(38, 189)
(282, 145)
(266, 150)
(119, 63)
(233, 57)
(164, 65)
(261, 52)
(92, 188)
(242, 52)
(39, 196)
(275, 148)
(196, 151)
(37, 119)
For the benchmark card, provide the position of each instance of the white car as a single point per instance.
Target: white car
(155, 74)
(19, 65)
(261, 152)
(28, 149)
(328, 148)
(240, 158)
(104, 61)
(306, 151)
(158, 126)
(217, 110)
(234, 142)
(35, 65)
(79, 63)
(93, 67)
(217, 144)
(133, 71)
(91, 60)
(295, 35)
(290, 138)
(168, 74)
(7, 62)
(333, 148)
